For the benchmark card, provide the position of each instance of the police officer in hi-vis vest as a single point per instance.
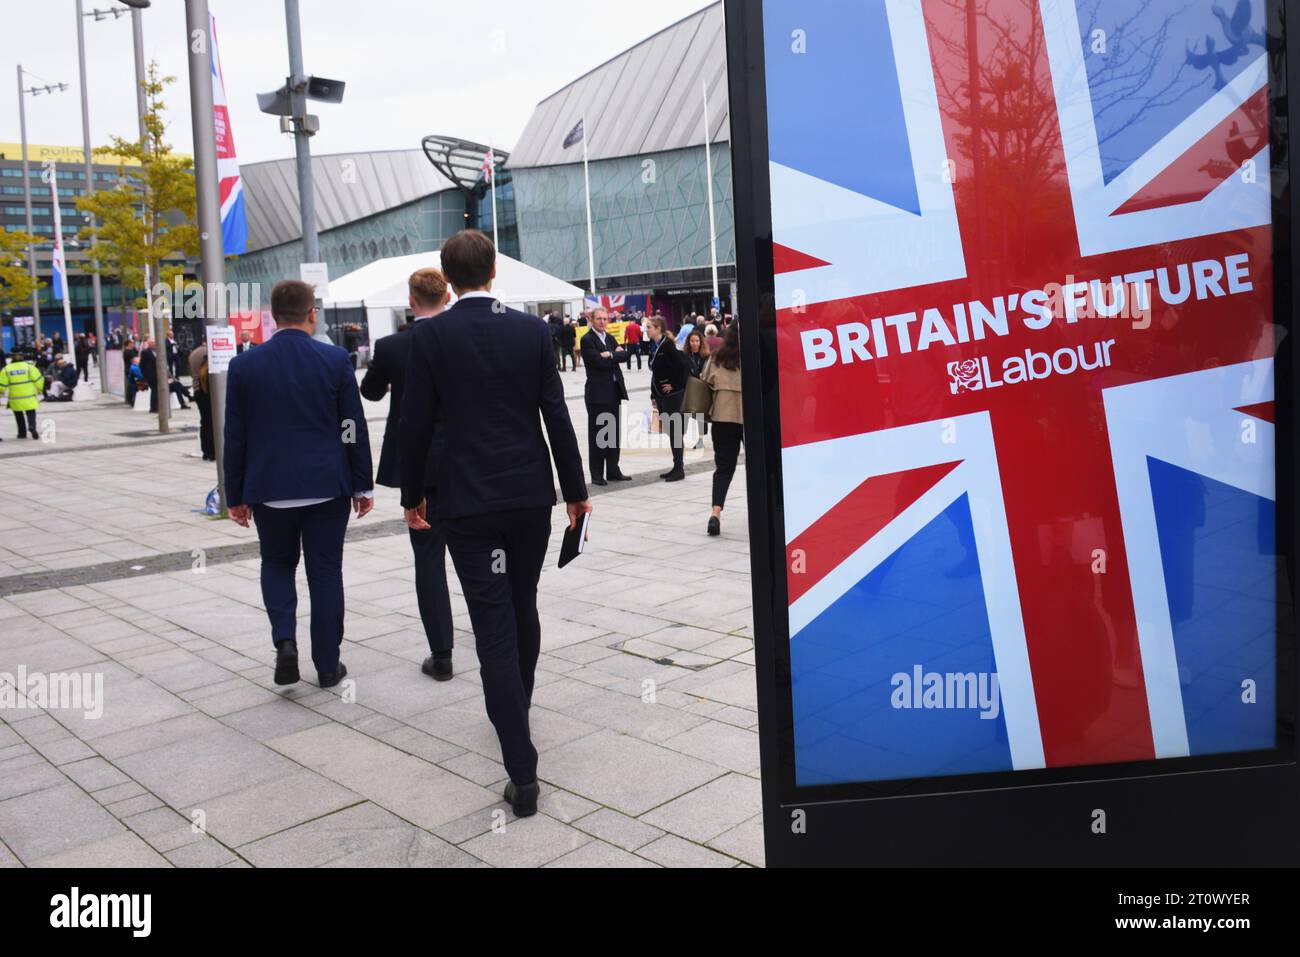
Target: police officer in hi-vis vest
(24, 385)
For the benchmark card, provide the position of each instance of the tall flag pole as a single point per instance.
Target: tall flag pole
(586, 181)
(489, 170)
(708, 170)
(59, 262)
(234, 217)
(579, 132)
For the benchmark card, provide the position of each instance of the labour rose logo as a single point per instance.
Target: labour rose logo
(965, 376)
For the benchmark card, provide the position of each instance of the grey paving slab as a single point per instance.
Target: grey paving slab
(362, 836)
(633, 716)
(275, 719)
(26, 822)
(120, 851)
(164, 828)
(721, 744)
(744, 841)
(202, 853)
(672, 851)
(707, 812)
(94, 774)
(598, 854)
(532, 842)
(35, 776)
(241, 817)
(413, 789)
(189, 772)
(625, 773)
(611, 826)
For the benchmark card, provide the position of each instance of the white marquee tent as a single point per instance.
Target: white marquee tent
(382, 289)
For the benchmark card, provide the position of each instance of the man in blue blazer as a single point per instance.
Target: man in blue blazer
(487, 375)
(297, 461)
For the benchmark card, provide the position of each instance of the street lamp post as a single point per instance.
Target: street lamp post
(157, 323)
(207, 187)
(96, 285)
(301, 136)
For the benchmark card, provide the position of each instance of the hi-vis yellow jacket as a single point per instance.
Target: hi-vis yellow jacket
(24, 384)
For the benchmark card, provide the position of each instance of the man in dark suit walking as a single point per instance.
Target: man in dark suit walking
(603, 359)
(487, 371)
(297, 461)
(428, 298)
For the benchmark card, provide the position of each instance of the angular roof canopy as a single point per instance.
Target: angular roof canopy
(349, 187)
(646, 100)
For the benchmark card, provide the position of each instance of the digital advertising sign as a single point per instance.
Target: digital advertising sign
(1020, 425)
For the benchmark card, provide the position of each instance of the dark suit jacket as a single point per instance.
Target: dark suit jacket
(605, 386)
(388, 371)
(486, 372)
(149, 366)
(289, 406)
(668, 365)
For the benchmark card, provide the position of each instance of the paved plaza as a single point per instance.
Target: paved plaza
(644, 715)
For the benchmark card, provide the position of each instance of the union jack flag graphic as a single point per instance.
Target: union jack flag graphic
(1025, 340)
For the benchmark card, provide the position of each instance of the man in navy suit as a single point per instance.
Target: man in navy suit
(603, 359)
(297, 462)
(487, 371)
(387, 374)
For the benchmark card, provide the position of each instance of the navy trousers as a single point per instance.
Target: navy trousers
(431, 583)
(499, 561)
(316, 535)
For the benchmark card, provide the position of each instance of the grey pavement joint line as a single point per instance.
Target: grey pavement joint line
(108, 446)
(223, 555)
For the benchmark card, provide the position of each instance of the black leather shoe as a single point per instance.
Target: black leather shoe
(668, 473)
(599, 483)
(439, 669)
(677, 475)
(286, 664)
(620, 477)
(334, 680)
(523, 798)
(715, 527)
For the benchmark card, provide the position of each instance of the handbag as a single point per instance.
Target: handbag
(699, 399)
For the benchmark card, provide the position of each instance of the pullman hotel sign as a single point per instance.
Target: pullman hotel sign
(1020, 422)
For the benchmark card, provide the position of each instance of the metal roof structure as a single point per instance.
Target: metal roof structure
(648, 99)
(463, 161)
(349, 187)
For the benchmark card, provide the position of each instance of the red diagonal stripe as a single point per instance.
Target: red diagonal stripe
(1199, 171)
(854, 521)
(791, 260)
(1267, 411)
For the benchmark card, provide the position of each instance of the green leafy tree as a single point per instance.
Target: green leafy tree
(150, 217)
(16, 284)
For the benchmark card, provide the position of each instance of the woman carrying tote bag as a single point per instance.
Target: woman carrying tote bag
(698, 399)
(722, 377)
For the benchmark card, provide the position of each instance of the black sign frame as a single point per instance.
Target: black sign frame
(1236, 810)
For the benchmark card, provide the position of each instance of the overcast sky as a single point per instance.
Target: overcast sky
(470, 68)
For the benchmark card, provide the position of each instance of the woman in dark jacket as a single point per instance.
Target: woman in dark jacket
(669, 371)
(697, 357)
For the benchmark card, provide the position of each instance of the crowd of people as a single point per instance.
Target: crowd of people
(464, 444)
(40, 372)
(476, 422)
